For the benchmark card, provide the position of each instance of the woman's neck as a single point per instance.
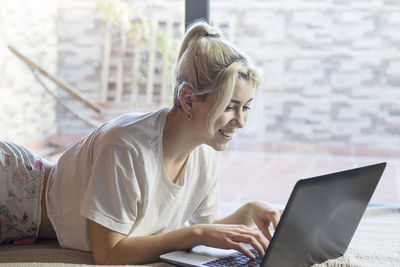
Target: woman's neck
(178, 143)
(178, 140)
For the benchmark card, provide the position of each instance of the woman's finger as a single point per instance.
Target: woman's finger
(242, 249)
(252, 241)
(263, 240)
(275, 217)
(264, 228)
(257, 234)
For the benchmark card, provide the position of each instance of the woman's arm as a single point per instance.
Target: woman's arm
(256, 212)
(110, 247)
(240, 216)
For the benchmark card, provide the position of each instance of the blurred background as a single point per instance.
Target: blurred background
(329, 97)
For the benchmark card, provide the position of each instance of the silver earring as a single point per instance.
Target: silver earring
(189, 116)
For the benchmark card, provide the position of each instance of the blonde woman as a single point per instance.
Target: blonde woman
(145, 184)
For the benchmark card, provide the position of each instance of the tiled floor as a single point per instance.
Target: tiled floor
(269, 176)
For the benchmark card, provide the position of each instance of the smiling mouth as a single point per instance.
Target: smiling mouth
(226, 133)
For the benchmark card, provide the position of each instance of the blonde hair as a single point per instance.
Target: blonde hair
(208, 63)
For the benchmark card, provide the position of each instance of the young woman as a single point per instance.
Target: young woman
(145, 184)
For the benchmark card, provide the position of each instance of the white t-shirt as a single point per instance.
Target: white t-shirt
(115, 176)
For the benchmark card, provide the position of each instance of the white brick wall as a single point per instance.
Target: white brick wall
(27, 113)
(330, 69)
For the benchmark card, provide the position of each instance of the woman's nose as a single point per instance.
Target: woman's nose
(239, 119)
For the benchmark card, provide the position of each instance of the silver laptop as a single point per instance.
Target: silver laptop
(318, 223)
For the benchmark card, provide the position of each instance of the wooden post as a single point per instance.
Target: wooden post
(105, 65)
(165, 79)
(62, 84)
(120, 67)
(87, 120)
(135, 74)
(151, 63)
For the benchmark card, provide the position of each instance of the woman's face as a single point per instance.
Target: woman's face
(233, 118)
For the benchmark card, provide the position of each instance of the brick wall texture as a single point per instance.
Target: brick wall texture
(26, 112)
(330, 69)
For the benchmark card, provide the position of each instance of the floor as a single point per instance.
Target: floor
(269, 176)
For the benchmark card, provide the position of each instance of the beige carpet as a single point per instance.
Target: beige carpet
(376, 243)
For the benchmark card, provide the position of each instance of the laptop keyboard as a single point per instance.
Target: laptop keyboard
(237, 259)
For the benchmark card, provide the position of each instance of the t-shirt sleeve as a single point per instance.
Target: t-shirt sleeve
(113, 191)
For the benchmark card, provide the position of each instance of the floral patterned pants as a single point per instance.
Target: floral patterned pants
(21, 184)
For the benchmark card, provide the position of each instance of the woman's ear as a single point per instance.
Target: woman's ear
(186, 99)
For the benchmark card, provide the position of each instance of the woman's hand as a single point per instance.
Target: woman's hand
(228, 236)
(263, 215)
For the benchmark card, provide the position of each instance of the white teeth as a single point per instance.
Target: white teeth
(227, 134)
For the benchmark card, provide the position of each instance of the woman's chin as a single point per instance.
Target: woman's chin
(220, 147)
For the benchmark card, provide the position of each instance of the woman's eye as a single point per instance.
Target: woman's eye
(230, 108)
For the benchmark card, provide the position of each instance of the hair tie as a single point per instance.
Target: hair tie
(209, 35)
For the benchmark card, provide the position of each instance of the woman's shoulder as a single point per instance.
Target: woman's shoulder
(139, 119)
(131, 128)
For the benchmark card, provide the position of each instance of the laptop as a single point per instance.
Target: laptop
(317, 224)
